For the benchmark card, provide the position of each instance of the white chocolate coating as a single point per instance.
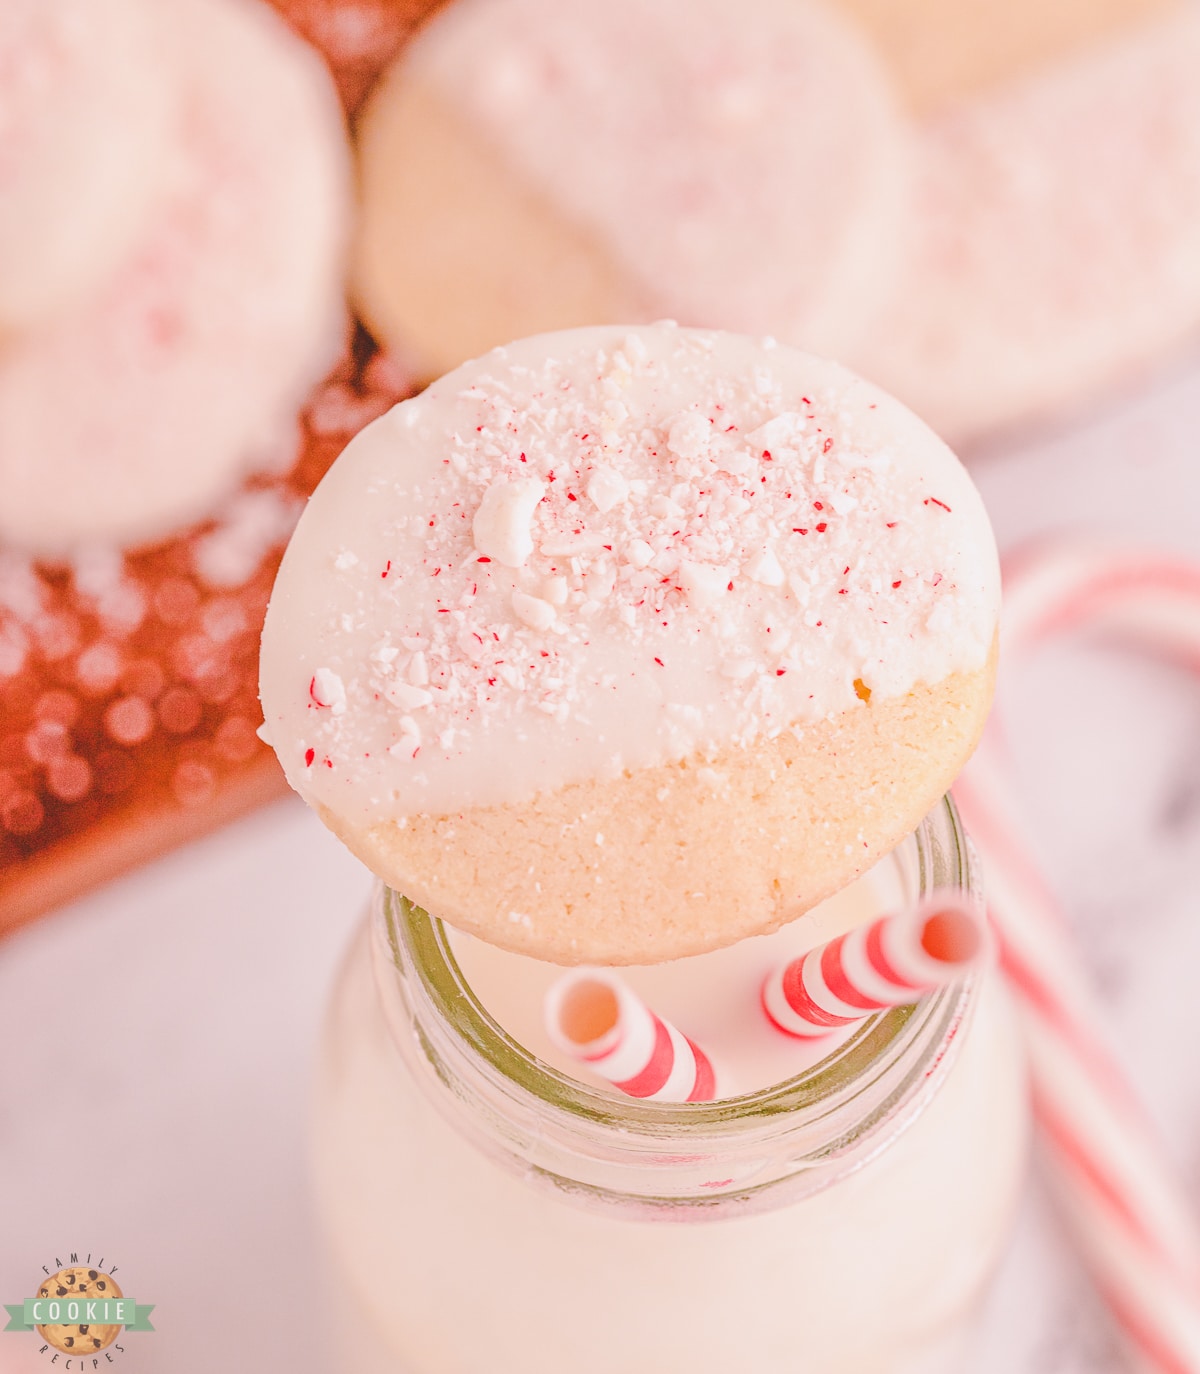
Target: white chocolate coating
(733, 539)
(140, 410)
(87, 119)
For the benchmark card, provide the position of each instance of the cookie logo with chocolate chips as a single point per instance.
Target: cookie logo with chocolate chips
(78, 1311)
(75, 1284)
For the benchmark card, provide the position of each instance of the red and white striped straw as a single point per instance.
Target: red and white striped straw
(890, 962)
(595, 1017)
(1130, 1218)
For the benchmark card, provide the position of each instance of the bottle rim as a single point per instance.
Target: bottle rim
(845, 1107)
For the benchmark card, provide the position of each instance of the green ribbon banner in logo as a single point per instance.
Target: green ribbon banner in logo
(24, 1316)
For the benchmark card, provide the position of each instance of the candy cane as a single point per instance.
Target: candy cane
(1128, 1214)
(890, 962)
(596, 1018)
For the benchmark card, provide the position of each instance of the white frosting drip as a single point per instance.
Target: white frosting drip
(773, 536)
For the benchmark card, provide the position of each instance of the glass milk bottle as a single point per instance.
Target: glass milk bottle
(487, 1212)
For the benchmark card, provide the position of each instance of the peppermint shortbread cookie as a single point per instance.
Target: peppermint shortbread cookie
(1053, 251)
(137, 412)
(528, 165)
(621, 644)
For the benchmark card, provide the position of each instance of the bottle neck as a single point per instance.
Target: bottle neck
(754, 1151)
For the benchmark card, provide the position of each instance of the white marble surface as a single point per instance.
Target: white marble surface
(157, 1035)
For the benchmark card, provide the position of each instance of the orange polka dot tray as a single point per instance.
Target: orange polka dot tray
(129, 682)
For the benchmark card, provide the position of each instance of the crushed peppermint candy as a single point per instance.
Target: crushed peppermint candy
(503, 521)
(325, 689)
(641, 547)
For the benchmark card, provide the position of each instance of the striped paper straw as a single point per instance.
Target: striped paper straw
(595, 1017)
(890, 962)
(1129, 1216)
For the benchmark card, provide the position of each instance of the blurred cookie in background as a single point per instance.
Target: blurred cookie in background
(87, 119)
(1054, 249)
(529, 165)
(1004, 257)
(134, 414)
